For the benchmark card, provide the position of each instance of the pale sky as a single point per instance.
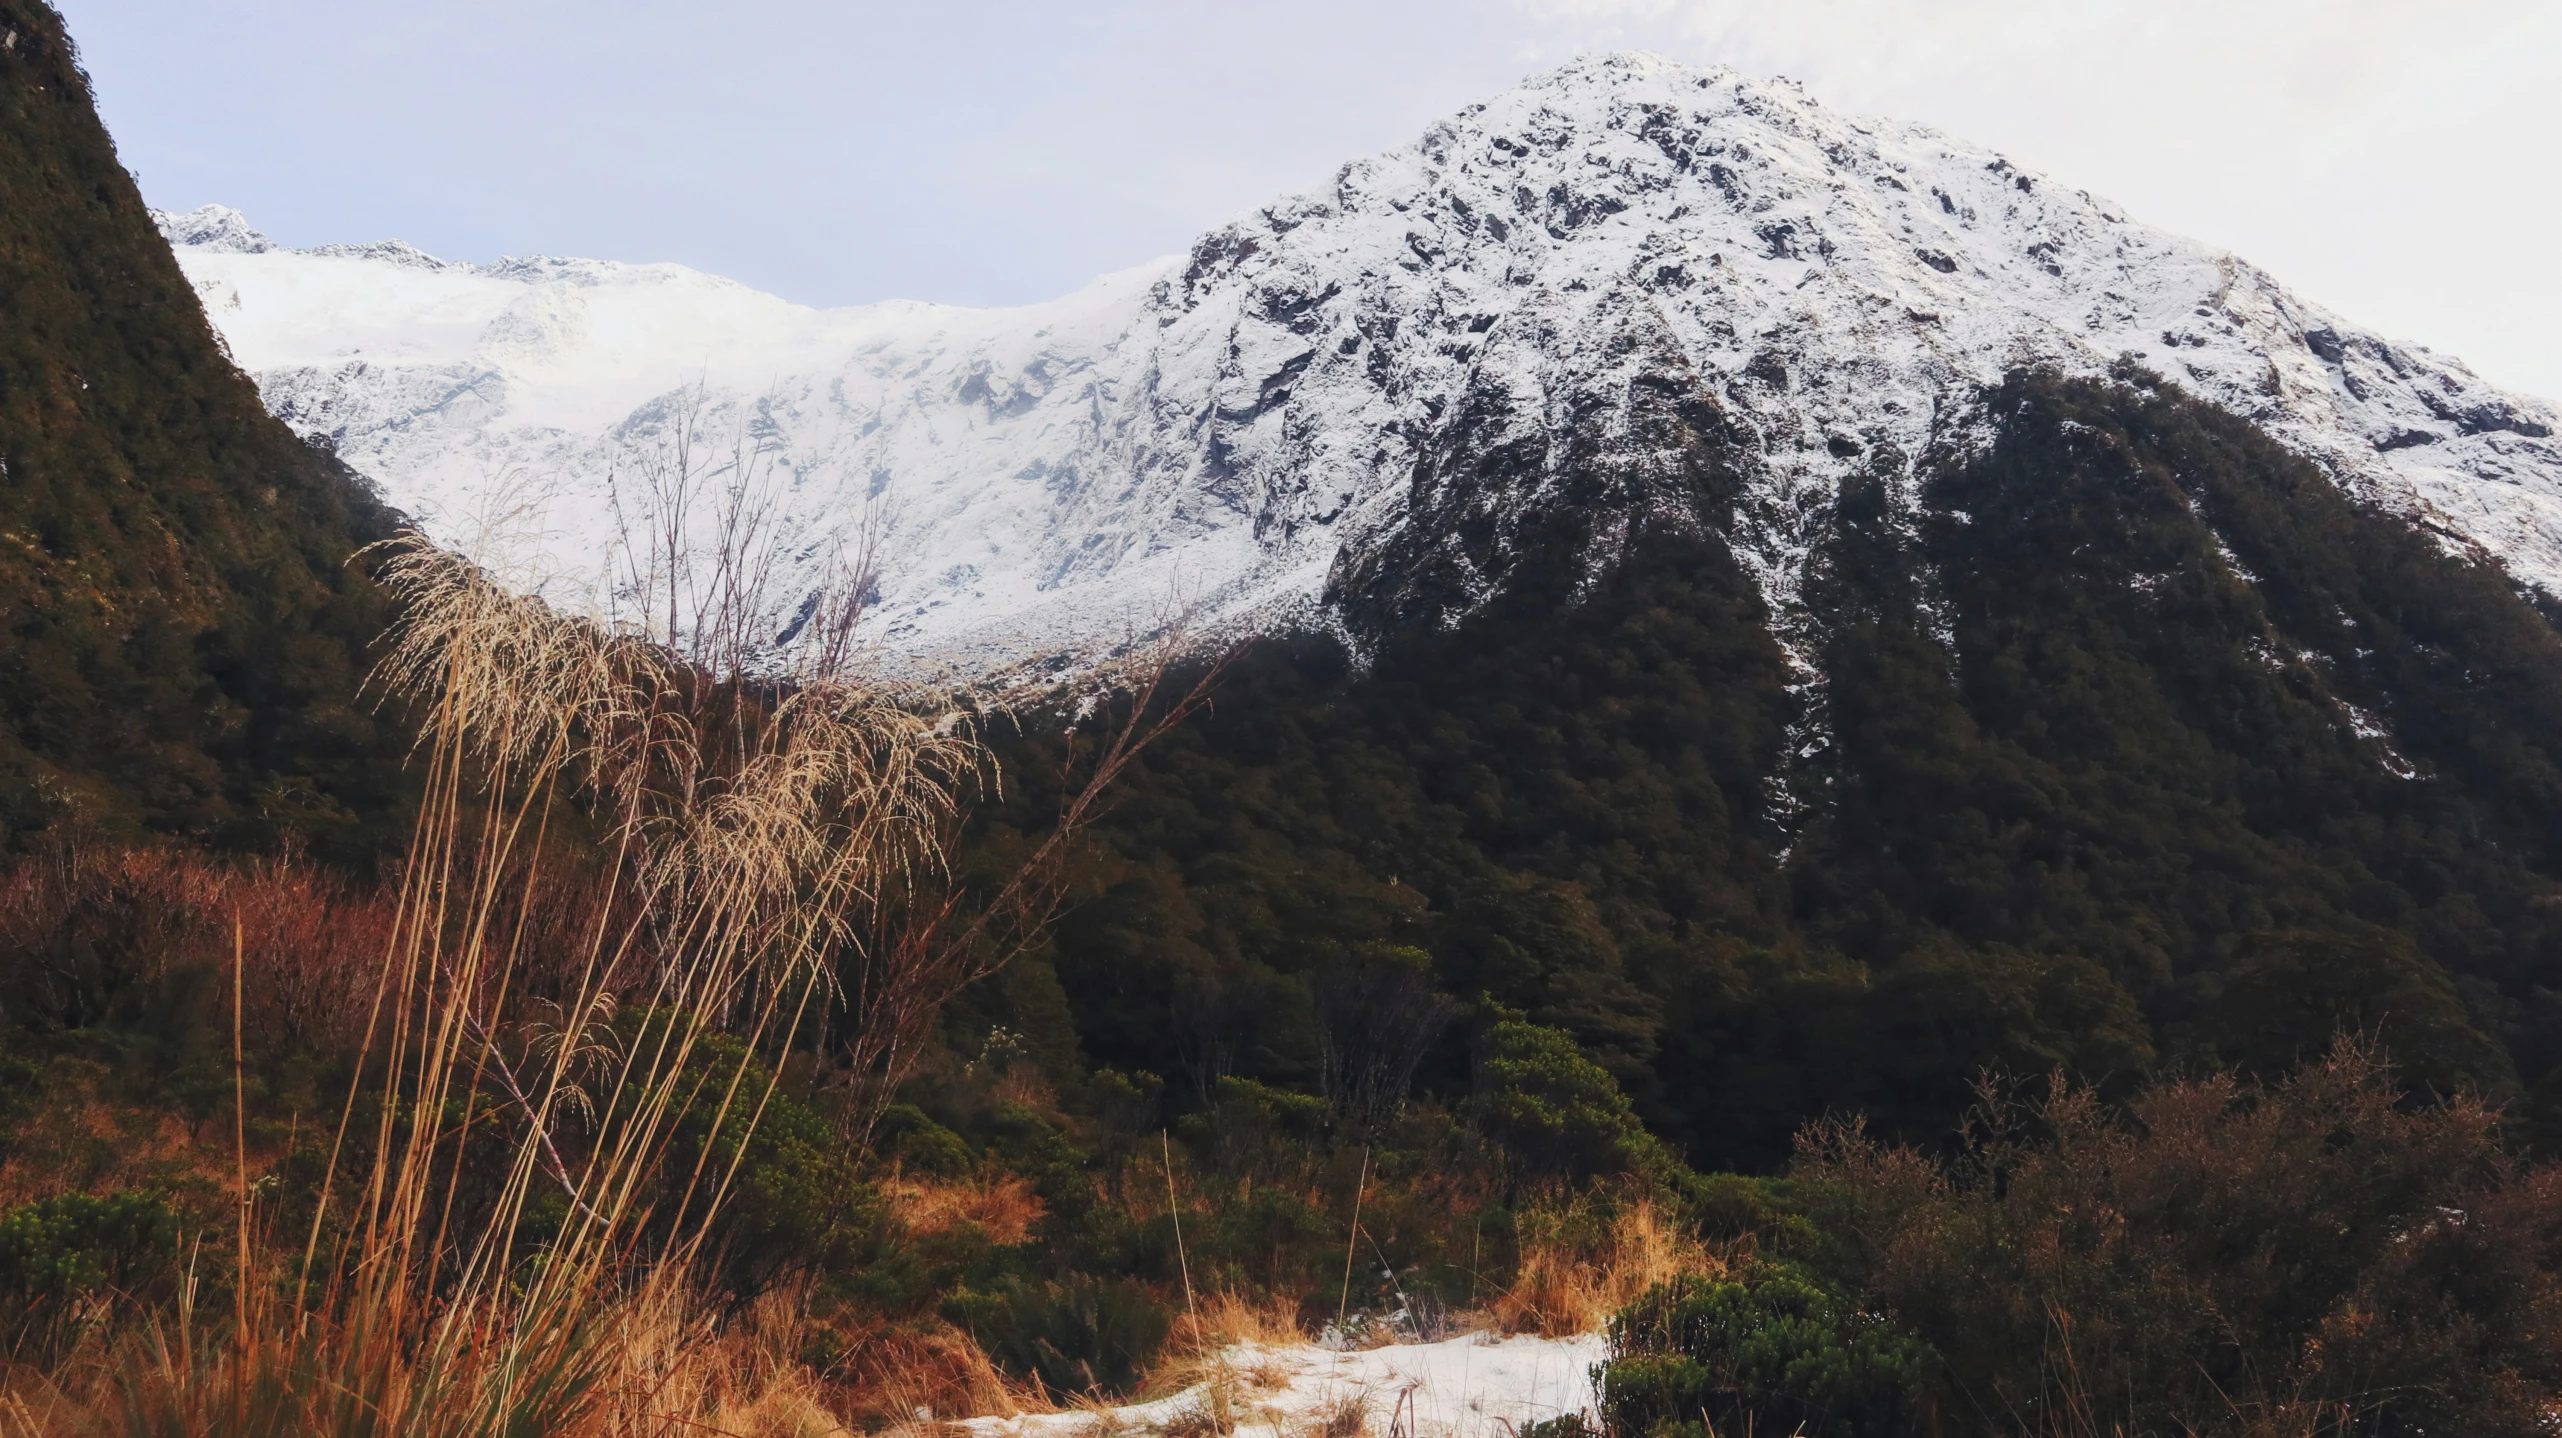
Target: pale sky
(2393, 159)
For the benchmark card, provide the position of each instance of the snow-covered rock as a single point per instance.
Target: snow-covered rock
(214, 229)
(1267, 421)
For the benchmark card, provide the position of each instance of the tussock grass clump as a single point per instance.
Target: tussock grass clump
(1585, 1259)
(917, 1374)
(1215, 1347)
(518, 1188)
(1001, 1206)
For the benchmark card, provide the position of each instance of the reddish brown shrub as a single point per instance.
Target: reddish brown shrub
(83, 928)
(89, 931)
(2316, 1256)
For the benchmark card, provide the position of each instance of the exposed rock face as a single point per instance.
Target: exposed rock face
(1627, 289)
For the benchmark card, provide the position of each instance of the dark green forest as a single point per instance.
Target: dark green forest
(181, 636)
(2136, 748)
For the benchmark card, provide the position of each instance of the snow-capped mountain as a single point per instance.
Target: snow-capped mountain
(1275, 423)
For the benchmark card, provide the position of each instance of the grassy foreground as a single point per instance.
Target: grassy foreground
(2332, 1253)
(636, 1100)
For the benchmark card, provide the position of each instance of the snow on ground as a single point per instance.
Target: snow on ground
(1478, 1386)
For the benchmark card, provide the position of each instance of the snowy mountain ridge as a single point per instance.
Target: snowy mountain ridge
(1272, 422)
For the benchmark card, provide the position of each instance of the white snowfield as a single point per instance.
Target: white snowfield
(1478, 1386)
(1232, 426)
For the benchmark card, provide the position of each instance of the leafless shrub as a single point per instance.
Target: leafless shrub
(2317, 1256)
(86, 921)
(1378, 1014)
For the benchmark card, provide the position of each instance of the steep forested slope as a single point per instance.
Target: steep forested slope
(2132, 742)
(180, 640)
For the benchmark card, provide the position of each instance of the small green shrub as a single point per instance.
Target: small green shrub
(1253, 1127)
(1554, 1110)
(795, 1203)
(58, 1254)
(1769, 1352)
(921, 1145)
(1080, 1336)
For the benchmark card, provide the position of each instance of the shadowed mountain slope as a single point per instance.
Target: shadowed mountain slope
(180, 637)
(2127, 741)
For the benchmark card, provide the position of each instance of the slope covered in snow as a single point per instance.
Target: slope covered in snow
(1270, 423)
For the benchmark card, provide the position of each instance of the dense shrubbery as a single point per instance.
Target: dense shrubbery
(101, 937)
(1028, 1206)
(2314, 1256)
(1768, 1350)
(2324, 1253)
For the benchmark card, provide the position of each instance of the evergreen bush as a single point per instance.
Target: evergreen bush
(1768, 1350)
(1081, 1336)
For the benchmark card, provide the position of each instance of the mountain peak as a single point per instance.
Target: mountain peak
(1367, 390)
(1611, 67)
(219, 229)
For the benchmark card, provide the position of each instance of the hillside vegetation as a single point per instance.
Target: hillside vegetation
(180, 634)
(2135, 748)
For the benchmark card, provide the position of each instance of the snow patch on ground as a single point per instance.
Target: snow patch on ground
(1478, 1386)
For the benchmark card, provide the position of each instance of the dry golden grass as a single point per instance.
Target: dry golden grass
(926, 1373)
(1587, 1260)
(670, 1365)
(1003, 1207)
(1211, 1348)
(1213, 1411)
(677, 1371)
(1345, 1417)
(1227, 1319)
